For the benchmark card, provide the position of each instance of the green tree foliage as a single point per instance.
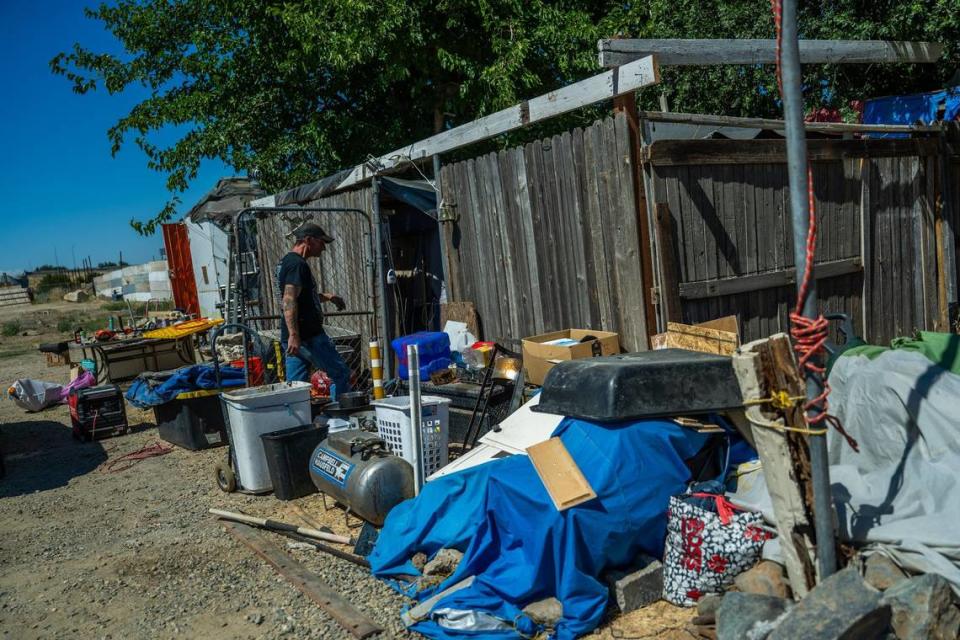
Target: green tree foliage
(298, 89)
(752, 91)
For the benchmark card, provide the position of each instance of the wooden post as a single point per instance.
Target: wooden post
(627, 104)
(765, 367)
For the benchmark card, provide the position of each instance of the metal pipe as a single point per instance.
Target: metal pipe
(800, 211)
(381, 274)
(441, 233)
(416, 416)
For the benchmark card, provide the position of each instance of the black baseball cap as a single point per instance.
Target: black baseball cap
(311, 230)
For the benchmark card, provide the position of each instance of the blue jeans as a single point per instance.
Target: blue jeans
(322, 354)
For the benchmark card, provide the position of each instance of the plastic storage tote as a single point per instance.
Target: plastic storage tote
(432, 345)
(288, 454)
(254, 411)
(393, 425)
(191, 421)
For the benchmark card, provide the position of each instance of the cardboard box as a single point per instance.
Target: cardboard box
(719, 336)
(539, 357)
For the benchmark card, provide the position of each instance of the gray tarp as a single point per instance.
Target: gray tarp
(901, 492)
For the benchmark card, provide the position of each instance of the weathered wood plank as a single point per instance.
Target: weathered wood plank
(756, 282)
(629, 264)
(709, 120)
(702, 51)
(581, 171)
(593, 150)
(529, 240)
(669, 277)
(340, 609)
(609, 84)
(706, 152)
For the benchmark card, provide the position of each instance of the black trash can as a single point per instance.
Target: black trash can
(288, 454)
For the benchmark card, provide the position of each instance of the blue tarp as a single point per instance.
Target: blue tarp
(516, 543)
(921, 107)
(144, 395)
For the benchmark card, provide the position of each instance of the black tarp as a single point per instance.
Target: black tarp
(222, 202)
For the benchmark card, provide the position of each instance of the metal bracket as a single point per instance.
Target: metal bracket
(448, 212)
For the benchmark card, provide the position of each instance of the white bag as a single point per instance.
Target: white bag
(35, 395)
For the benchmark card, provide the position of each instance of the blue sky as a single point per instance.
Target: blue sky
(62, 191)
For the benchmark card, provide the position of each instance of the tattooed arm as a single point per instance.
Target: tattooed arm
(289, 306)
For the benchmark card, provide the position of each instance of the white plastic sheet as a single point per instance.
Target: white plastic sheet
(901, 492)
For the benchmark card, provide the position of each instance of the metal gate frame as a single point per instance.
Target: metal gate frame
(237, 291)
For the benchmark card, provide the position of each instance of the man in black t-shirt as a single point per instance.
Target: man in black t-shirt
(305, 342)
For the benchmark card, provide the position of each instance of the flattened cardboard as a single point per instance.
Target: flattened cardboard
(560, 474)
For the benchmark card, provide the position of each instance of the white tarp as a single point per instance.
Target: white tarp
(901, 492)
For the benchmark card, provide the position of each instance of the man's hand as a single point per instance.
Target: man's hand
(336, 300)
(293, 345)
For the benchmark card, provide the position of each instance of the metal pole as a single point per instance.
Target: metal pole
(416, 417)
(444, 270)
(381, 273)
(799, 207)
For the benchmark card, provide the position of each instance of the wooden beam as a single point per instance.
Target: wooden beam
(703, 152)
(359, 625)
(778, 125)
(716, 52)
(764, 367)
(627, 104)
(634, 75)
(757, 282)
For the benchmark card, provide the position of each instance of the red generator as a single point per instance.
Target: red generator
(98, 412)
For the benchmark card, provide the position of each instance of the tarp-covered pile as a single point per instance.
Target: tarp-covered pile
(520, 548)
(901, 492)
(151, 389)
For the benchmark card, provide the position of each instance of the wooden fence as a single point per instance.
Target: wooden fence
(546, 236)
(724, 242)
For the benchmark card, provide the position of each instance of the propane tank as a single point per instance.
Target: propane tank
(356, 469)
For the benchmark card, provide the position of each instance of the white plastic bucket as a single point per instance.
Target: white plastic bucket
(253, 411)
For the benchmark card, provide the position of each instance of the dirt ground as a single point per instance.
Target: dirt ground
(134, 554)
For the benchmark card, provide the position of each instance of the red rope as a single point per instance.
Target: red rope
(809, 334)
(151, 450)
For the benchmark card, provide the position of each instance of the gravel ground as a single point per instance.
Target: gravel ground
(134, 554)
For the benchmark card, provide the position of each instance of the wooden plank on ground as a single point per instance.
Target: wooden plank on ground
(703, 51)
(359, 625)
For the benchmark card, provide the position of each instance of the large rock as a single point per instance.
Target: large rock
(443, 564)
(766, 578)
(77, 296)
(841, 607)
(743, 616)
(923, 607)
(546, 612)
(881, 572)
(638, 586)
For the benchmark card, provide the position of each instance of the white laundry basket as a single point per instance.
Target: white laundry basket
(253, 411)
(393, 425)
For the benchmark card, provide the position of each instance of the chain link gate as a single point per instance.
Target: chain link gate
(263, 235)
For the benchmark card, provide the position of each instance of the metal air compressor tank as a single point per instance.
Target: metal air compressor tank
(356, 469)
